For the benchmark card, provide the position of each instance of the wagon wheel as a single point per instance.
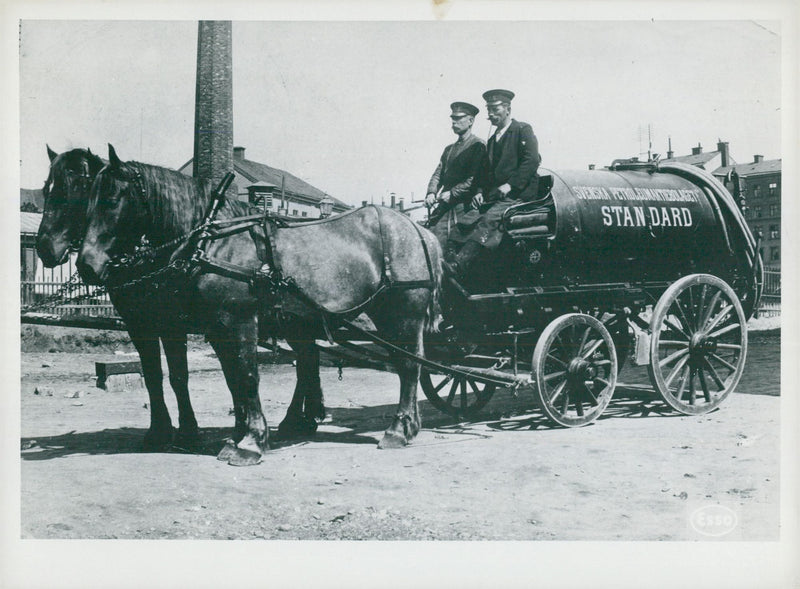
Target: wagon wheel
(459, 396)
(574, 369)
(698, 343)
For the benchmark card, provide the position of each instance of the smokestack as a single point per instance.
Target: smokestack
(670, 153)
(757, 159)
(213, 113)
(722, 147)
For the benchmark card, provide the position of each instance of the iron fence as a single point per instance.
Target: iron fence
(771, 297)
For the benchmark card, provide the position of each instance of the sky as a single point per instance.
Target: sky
(360, 109)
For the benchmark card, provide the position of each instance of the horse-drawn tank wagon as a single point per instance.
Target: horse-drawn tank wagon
(639, 258)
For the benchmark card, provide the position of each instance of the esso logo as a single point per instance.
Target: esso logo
(713, 520)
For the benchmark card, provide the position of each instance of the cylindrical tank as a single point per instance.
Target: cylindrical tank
(634, 225)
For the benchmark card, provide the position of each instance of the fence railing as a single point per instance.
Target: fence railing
(770, 305)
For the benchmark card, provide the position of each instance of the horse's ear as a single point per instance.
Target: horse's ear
(51, 154)
(113, 159)
(89, 151)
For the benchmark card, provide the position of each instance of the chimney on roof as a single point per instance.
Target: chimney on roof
(238, 153)
(697, 150)
(393, 201)
(401, 205)
(757, 159)
(722, 148)
(591, 166)
(670, 153)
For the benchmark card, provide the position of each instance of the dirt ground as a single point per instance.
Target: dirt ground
(639, 473)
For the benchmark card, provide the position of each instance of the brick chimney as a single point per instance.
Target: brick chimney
(757, 159)
(722, 148)
(213, 114)
(697, 150)
(238, 153)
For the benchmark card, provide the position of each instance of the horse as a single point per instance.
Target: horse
(372, 260)
(66, 199)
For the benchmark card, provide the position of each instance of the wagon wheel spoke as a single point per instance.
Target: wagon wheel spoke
(668, 322)
(686, 322)
(682, 387)
(724, 330)
(452, 394)
(723, 362)
(584, 339)
(714, 374)
(668, 343)
(552, 375)
(602, 381)
(678, 368)
(556, 360)
(605, 362)
(674, 356)
(558, 390)
(442, 384)
(701, 307)
(711, 306)
(703, 384)
(723, 314)
(735, 347)
(578, 405)
(590, 396)
(692, 392)
(592, 349)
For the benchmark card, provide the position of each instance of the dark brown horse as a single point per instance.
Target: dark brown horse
(148, 316)
(341, 264)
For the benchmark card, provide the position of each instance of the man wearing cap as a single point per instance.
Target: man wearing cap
(453, 184)
(508, 175)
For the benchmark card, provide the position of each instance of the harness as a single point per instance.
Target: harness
(268, 281)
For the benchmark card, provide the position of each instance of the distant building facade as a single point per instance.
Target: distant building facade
(274, 190)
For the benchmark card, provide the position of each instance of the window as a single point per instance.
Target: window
(774, 232)
(294, 212)
(774, 254)
(756, 212)
(756, 230)
(756, 191)
(773, 188)
(774, 211)
(304, 214)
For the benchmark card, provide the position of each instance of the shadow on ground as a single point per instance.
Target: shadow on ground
(505, 413)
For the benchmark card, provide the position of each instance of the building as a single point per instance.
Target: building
(275, 190)
(757, 187)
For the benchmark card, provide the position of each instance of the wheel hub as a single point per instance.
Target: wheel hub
(701, 345)
(581, 370)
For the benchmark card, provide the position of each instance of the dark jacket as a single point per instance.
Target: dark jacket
(457, 170)
(514, 160)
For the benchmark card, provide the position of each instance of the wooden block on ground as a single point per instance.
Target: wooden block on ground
(106, 369)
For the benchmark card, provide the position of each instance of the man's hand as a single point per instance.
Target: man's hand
(430, 200)
(504, 189)
(445, 196)
(477, 200)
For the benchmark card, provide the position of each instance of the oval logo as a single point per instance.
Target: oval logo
(713, 520)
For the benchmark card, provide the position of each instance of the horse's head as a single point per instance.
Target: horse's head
(115, 218)
(66, 197)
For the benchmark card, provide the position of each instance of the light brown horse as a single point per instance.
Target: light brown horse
(371, 260)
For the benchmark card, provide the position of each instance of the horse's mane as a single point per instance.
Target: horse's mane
(175, 202)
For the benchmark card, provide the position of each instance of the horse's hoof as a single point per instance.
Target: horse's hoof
(244, 458)
(227, 452)
(392, 441)
(157, 440)
(299, 427)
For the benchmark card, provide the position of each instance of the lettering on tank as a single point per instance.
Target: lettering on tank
(642, 215)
